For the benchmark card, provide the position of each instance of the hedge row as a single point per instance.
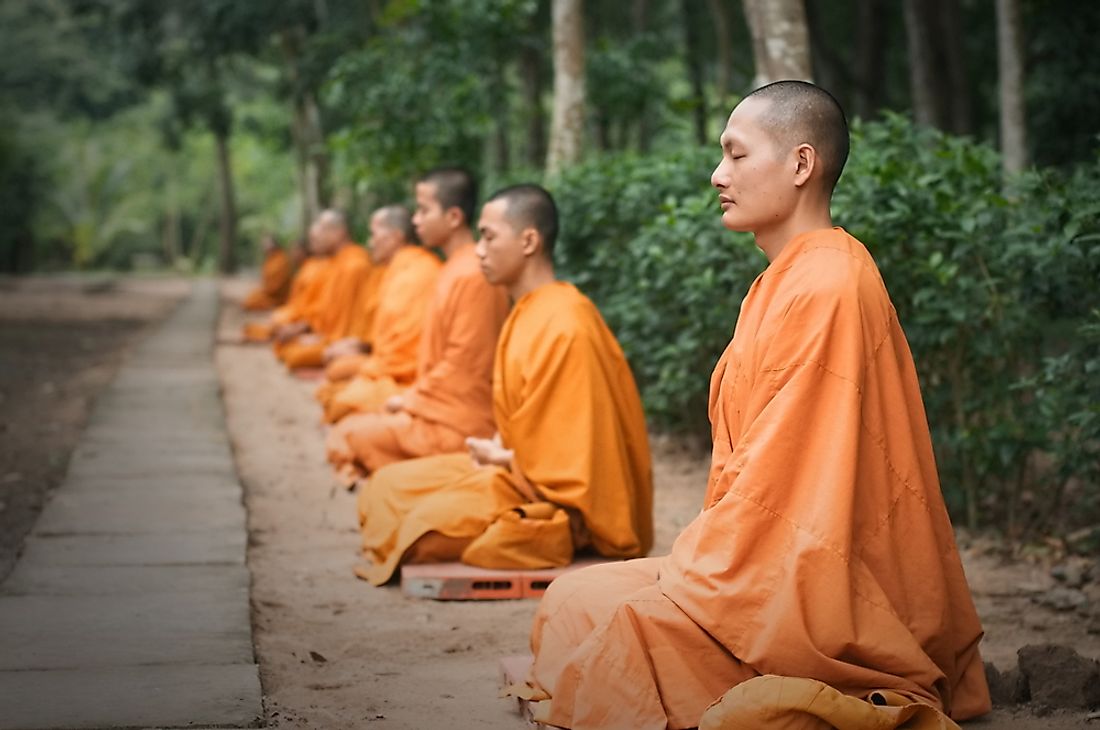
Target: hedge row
(998, 290)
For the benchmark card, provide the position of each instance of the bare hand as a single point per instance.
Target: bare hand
(285, 332)
(488, 452)
(340, 348)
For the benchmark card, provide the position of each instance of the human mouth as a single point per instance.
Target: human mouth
(725, 201)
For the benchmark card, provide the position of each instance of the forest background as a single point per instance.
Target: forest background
(150, 134)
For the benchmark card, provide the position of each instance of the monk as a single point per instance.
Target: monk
(451, 397)
(345, 304)
(362, 374)
(569, 466)
(820, 585)
(305, 291)
(275, 275)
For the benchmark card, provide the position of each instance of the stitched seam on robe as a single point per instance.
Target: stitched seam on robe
(870, 361)
(808, 249)
(821, 543)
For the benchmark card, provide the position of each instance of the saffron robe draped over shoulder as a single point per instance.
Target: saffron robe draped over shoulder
(275, 275)
(402, 300)
(305, 290)
(823, 550)
(565, 402)
(342, 306)
(451, 397)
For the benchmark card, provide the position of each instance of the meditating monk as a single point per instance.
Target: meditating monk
(451, 397)
(275, 274)
(305, 291)
(820, 585)
(362, 374)
(345, 305)
(569, 467)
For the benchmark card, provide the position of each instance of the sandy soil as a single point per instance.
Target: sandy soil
(335, 652)
(61, 341)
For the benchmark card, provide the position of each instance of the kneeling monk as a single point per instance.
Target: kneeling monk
(311, 271)
(823, 557)
(276, 272)
(451, 397)
(358, 382)
(346, 304)
(569, 467)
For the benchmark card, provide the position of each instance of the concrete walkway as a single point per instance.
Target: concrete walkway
(129, 606)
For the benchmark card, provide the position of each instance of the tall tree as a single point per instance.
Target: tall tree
(567, 120)
(719, 15)
(694, 62)
(780, 39)
(307, 131)
(923, 79)
(959, 114)
(190, 54)
(939, 88)
(870, 57)
(1010, 65)
(533, 78)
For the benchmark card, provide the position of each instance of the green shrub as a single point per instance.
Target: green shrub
(993, 285)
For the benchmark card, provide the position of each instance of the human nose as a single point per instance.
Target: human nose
(720, 177)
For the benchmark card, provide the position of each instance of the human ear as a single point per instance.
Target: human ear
(454, 217)
(805, 157)
(530, 238)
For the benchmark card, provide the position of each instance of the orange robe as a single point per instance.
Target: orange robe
(823, 550)
(565, 402)
(305, 291)
(451, 397)
(368, 380)
(339, 308)
(275, 275)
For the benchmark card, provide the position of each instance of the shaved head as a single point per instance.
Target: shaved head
(455, 187)
(397, 218)
(799, 112)
(333, 219)
(531, 206)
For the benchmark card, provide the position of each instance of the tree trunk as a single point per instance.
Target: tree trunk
(870, 58)
(227, 225)
(719, 15)
(780, 40)
(959, 115)
(567, 122)
(829, 67)
(1010, 67)
(534, 81)
(196, 245)
(307, 133)
(500, 120)
(316, 152)
(695, 70)
(640, 16)
(171, 237)
(919, 33)
(309, 203)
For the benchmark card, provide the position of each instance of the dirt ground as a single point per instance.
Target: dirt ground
(61, 341)
(336, 652)
(333, 651)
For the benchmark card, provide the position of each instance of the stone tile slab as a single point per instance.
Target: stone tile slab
(136, 512)
(168, 482)
(72, 632)
(105, 580)
(178, 548)
(131, 697)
